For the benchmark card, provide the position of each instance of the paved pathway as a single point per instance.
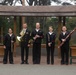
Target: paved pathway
(42, 69)
(18, 69)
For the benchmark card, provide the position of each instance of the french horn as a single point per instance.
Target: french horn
(22, 33)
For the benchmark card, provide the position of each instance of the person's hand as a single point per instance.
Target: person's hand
(4, 47)
(34, 38)
(49, 44)
(28, 45)
(12, 41)
(63, 40)
(37, 36)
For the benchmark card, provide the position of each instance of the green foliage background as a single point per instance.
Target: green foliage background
(45, 22)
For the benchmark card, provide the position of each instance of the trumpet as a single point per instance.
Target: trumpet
(22, 33)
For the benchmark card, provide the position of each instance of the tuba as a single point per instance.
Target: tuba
(22, 33)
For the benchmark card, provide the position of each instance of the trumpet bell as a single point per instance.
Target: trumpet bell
(18, 38)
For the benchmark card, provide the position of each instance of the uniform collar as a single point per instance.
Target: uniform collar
(37, 30)
(50, 33)
(10, 34)
(64, 33)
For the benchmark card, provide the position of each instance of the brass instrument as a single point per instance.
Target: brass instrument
(49, 39)
(22, 33)
(12, 44)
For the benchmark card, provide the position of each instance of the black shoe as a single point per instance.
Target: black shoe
(66, 63)
(26, 63)
(22, 62)
(52, 63)
(62, 63)
(4, 62)
(48, 63)
(11, 63)
(34, 62)
(37, 63)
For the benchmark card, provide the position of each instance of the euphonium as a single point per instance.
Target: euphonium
(19, 38)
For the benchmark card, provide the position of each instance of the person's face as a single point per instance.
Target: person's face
(64, 28)
(10, 31)
(37, 26)
(50, 29)
(24, 25)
